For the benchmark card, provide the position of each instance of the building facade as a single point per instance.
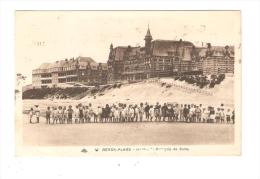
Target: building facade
(158, 58)
(164, 58)
(81, 69)
(219, 60)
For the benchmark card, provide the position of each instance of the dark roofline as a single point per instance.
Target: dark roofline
(177, 41)
(125, 47)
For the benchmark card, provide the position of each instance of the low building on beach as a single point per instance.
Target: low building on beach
(82, 70)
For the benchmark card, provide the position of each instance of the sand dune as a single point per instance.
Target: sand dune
(180, 92)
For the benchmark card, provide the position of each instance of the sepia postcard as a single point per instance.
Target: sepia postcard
(128, 83)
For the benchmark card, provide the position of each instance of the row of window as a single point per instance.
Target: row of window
(46, 81)
(48, 75)
(156, 67)
(67, 73)
(50, 70)
(64, 80)
(148, 61)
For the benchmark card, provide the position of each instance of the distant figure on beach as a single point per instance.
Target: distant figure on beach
(37, 113)
(31, 115)
(48, 115)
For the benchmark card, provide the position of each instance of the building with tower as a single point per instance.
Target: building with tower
(148, 41)
(157, 58)
(164, 58)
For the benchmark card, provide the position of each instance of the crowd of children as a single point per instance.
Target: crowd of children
(169, 112)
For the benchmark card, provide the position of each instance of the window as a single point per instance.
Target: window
(46, 81)
(63, 80)
(46, 75)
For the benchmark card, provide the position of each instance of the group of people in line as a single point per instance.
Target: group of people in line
(190, 113)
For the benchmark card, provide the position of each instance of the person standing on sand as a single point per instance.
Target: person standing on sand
(95, 116)
(85, 112)
(81, 114)
(151, 112)
(222, 115)
(217, 116)
(198, 114)
(124, 113)
(60, 114)
(107, 113)
(157, 112)
(181, 113)
(208, 114)
(31, 115)
(64, 115)
(90, 111)
(136, 113)
(112, 114)
(127, 116)
(204, 115)
(120, 110)
(233, 117)
(186, 113)
(55, 115)
(99, 114)
(76, 114)
(192, 113)
(171, 113)
(164, 111)
(37, 113)
(141, 112)
(146, 109)
(48, 115)
(228, 116)
(177, 112)
(212, 115)
(116, 114)
(70, 114)
(131, 113)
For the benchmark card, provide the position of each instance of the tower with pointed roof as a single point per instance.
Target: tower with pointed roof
(148, 41)
(111, 47)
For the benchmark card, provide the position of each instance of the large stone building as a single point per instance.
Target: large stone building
(81, 69)
(218, 60)
(158, 58)
(161, 58)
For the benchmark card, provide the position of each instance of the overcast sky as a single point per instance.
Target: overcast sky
(48, 36)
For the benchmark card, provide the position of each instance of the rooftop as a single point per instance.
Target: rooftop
(82, 61)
